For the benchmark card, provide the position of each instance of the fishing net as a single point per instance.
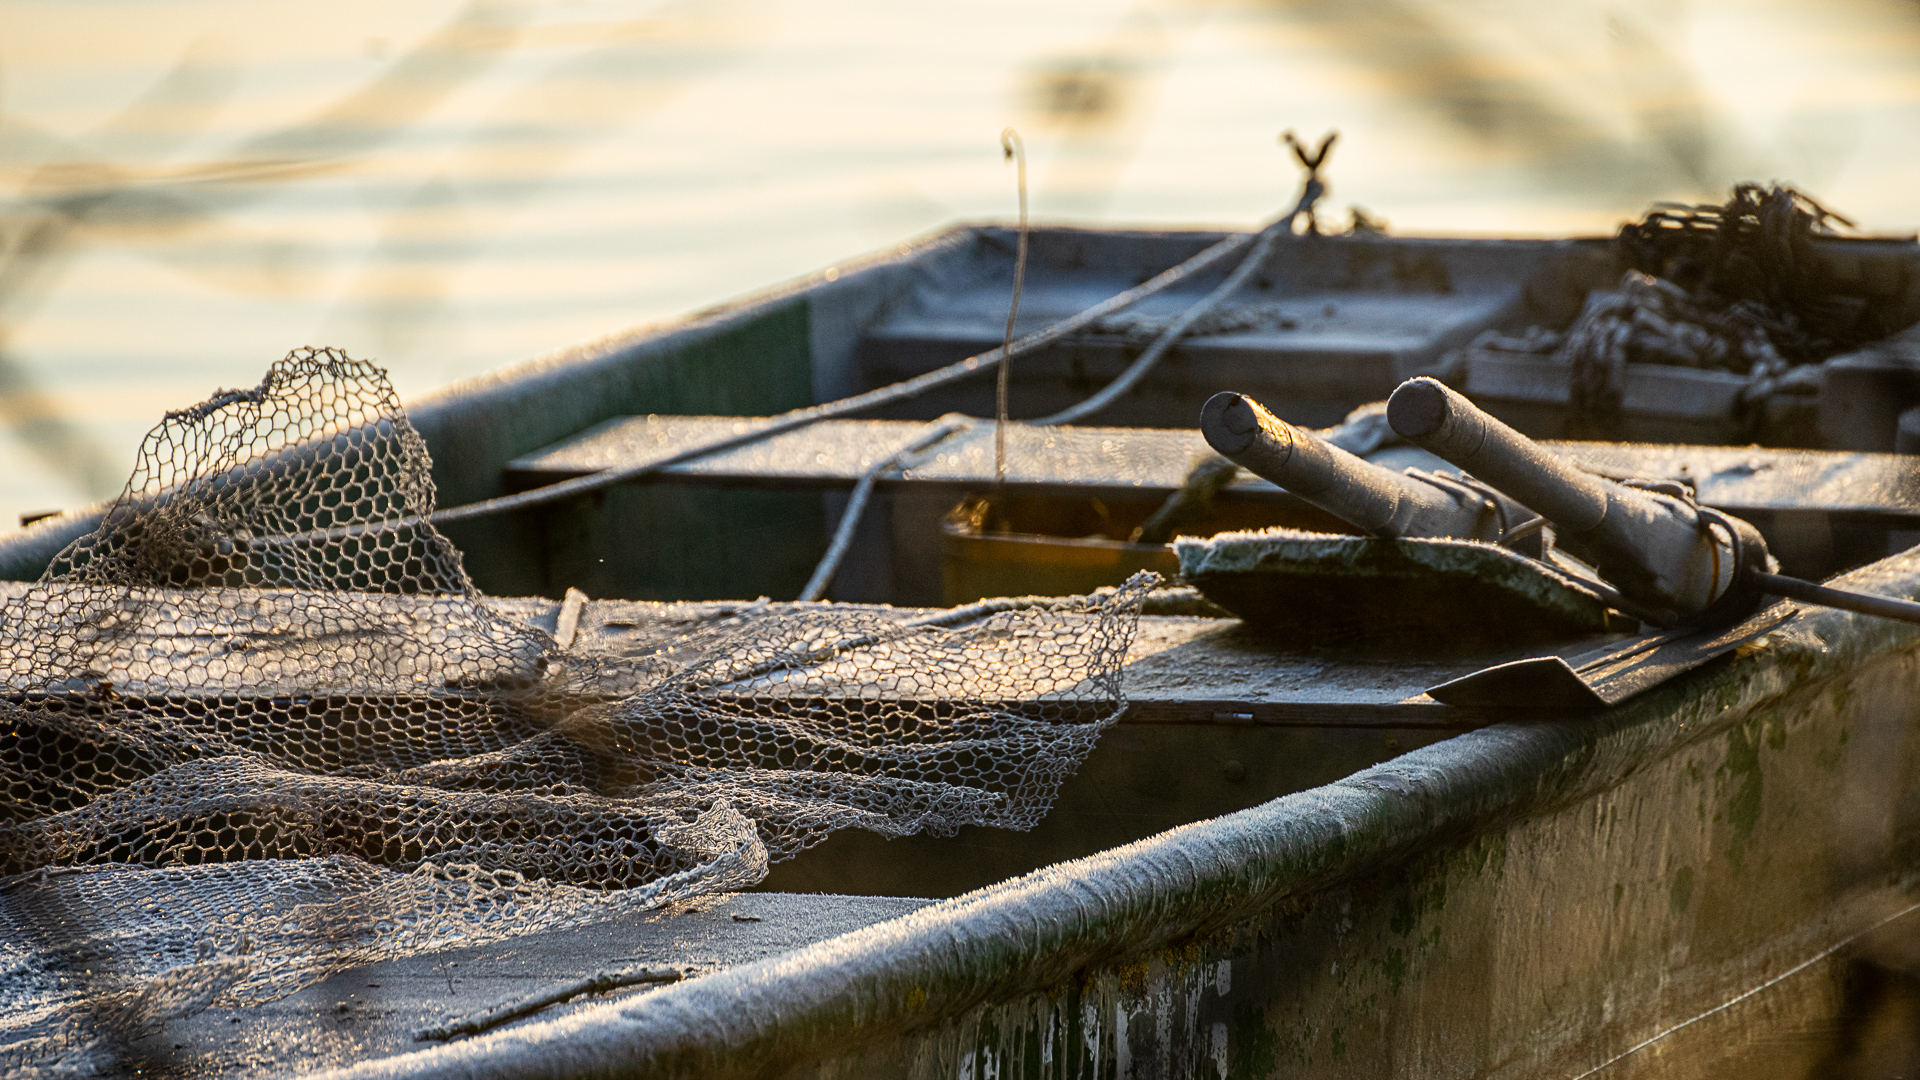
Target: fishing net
(1758, 252)
(260, 726)
(1741, 287)
(1649, 320)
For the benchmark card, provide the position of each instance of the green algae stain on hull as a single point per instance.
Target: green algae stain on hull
(1553, 942)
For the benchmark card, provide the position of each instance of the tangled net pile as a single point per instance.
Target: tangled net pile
(1740, 287)
(1754, 258)
(260, 726)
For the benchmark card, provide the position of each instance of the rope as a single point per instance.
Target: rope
(858, 403)
(857, 504)
(1174, 331)
(1311, 190)
(1125, 381)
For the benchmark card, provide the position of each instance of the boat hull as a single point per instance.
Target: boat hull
(1665, 886)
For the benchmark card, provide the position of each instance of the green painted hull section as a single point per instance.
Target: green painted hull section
(1531, 899)
(723, 544)
(1544, 949)
(755, 363)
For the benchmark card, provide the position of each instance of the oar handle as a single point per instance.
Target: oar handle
(1427, 413)
(1378, 500)
(1657, 549)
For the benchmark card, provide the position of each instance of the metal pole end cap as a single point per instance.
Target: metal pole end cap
(1418, 407)
(1229, 422)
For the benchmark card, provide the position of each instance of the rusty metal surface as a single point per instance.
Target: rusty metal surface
(1153, 462)
(1608, 676)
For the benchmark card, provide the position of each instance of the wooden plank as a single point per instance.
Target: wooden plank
(1151, 463)
(1179, 670)
(1752, 478)
(373, 1010)
(1337, 340)
(1648, 389)
(834, 454)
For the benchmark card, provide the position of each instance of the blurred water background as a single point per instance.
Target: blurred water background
(189, 188)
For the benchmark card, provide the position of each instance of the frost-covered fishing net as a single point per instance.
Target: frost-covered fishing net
(260, 726)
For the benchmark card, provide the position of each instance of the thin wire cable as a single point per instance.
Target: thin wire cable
(1163, 344)
(1016, 151)
(848, 406)
(857, 503)
(599, 982)
(1728, 1004)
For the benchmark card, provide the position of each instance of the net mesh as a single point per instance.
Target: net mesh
(260, 726)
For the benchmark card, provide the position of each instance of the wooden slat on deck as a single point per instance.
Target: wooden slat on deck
(1180, 669)
(1153, 462)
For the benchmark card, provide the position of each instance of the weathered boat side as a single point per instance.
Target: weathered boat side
(898, 555)
(1556, 894)
(1532, 898)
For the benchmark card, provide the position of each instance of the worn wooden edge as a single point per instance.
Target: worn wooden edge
(1415, 713)
(1418, 712)
(1035, 931)
(1889, 505)
(591, 618)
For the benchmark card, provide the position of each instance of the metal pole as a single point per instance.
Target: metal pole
(1794, 588)
(1379, 500)
(1659, 550)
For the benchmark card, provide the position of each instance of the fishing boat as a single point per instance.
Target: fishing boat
(1298, 851)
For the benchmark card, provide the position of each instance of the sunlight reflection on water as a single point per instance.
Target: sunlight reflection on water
(189, 188)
